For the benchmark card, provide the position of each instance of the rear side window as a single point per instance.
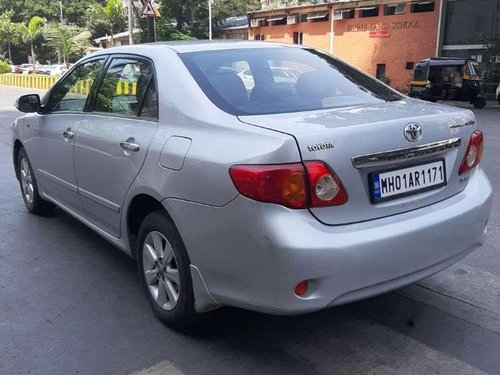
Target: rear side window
(277, 80)
(127, 85)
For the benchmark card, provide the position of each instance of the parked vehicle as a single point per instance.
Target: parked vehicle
(281, 201)
(497, 93)
(57, 70)
(280, 75)
(442, 78)
(15, 69)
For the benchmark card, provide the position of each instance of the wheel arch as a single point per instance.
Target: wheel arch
(139, 207)
(15, 153)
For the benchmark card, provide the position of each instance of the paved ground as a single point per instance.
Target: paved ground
(70, 303)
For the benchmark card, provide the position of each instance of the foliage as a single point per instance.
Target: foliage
(189, 18)
(223, 9)
(69, 40)
(10, 32)
(31, 32)
(490, 57)
(273, 4)
(106, 19)
(168, 31)
(4, 67)
(73, 10)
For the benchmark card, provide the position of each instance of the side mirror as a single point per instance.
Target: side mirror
(28, 103)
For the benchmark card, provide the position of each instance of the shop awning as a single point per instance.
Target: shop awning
(280, 18)
(317, 16)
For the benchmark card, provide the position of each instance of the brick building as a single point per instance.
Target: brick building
(382, 37)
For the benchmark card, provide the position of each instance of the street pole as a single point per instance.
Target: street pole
(59, 53)
(332, 29)
(61, 10)
(130, 22)
(210, 19)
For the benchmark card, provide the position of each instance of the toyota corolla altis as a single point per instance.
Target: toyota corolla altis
(283, 196)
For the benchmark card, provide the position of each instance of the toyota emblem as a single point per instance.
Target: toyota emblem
(413, 132)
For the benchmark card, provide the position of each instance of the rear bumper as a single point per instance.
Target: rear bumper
(251, 255)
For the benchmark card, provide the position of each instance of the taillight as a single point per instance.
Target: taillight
(474, 152)
(297, 185)
(325, 187)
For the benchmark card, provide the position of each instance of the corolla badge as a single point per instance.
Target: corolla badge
(413, 132)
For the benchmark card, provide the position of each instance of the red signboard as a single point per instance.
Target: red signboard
(379, 34)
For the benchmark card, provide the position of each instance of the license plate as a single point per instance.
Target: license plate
(396, 183)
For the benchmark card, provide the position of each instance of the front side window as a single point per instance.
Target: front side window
(280, 80)
(72, 93)
(124, 87)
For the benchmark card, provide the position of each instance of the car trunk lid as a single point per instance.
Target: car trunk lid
(362, 142)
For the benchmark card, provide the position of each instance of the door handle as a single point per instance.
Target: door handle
(130, 145)
(68, 134)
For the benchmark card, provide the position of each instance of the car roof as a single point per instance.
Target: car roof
(197, 46)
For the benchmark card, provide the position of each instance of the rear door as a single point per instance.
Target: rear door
(112, 139)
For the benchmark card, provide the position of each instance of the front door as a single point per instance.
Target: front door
(113, 139)
(54, 131)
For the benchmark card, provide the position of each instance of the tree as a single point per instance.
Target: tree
(68, 40)
(74, 11)
(32, 31)
(223, 9)
(491, 60)
(189, 18)
(108, 18)
(10, 32)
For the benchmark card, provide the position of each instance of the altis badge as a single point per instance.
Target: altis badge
(320, 146)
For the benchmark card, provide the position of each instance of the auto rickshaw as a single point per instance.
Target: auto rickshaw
(442, 78)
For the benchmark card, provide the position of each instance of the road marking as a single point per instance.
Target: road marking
(162, 368)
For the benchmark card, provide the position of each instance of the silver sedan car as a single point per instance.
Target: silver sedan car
(285, 197)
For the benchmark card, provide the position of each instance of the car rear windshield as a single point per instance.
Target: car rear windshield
(254, 81)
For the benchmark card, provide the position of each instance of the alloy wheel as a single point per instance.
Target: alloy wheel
(27, 180)
(160, 270)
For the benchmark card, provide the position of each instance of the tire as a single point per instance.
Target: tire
(163, 266)
(29, 187)
(479, 103)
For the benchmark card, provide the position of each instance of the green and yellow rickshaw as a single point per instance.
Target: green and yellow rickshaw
(442, 78)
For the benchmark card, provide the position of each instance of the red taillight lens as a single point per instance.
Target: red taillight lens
(290, 185)
(474, 152)
(282, 184)
(301, 288)
(325, 187)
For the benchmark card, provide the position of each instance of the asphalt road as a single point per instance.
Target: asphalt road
(70, 303)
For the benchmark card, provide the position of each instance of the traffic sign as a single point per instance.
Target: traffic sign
(150, 9)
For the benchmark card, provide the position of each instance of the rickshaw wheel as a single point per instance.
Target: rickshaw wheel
(479, 103)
